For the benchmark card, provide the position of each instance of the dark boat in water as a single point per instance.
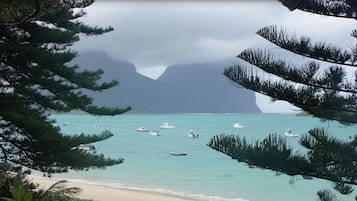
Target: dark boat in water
(178, 153)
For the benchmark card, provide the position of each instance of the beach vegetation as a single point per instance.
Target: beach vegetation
(37, 79)
(323, 87)
(19, 188)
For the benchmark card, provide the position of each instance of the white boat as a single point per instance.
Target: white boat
(142, 129)
(289, 133)
(238, 125)
(167, 125)
(178, 153)
(192, 134)
(155, 133)
(85, 147)
(67, 124)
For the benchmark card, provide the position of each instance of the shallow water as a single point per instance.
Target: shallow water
(203, 173)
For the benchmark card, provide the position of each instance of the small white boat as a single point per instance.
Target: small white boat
(178, 153)
(289, 133)
(238, 125)
(142, 129)
(155, 133)
(66, 123)
(192, 134)
(95, 126)
(167, 125)
(85, 147)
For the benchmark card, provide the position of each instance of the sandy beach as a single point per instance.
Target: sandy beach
(106, 193)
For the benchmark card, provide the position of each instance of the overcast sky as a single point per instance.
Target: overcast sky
(155, 34)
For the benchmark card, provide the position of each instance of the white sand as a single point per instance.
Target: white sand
(106, 193)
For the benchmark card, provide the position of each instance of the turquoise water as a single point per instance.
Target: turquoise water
(204, 173)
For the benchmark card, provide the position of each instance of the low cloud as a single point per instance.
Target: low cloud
(155, 33)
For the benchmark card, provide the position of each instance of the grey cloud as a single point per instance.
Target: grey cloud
(150, 34)
(163, 33)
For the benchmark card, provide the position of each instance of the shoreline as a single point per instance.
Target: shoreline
(102, 192)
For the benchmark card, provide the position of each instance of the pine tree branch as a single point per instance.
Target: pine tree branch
(32, 15)
(45, 102)
(39, 8)
(34, 66)
(323, 105)
(82, 138)
(5, 158)
(328, 96)
(273, 153)
(17, 152)
(306, 75)
(92, 109)
(320, 51)
(343, 9)
(65, 21)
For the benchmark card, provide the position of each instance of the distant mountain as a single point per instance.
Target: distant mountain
(208, 89)
(190, 88)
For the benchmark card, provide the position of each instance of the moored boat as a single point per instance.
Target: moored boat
(155, 133)
(142, 129)
(85, 147)
(238, 125)
(192, 134)
(167, 125)
(178, 153)
(289, 133)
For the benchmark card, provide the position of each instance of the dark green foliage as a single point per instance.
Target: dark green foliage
(36, 79)
(327, 157)
(323, 93)
(326, 195)
(13, 182)
(304, 46)
(15, 187)
(327, 95)
(271, 153)
(345, 9)
(58, 192)
(321, 102)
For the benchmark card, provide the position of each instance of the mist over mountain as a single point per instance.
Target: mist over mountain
(186, 88)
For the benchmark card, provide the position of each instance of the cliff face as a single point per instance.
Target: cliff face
(211, 91)
(189, 88)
